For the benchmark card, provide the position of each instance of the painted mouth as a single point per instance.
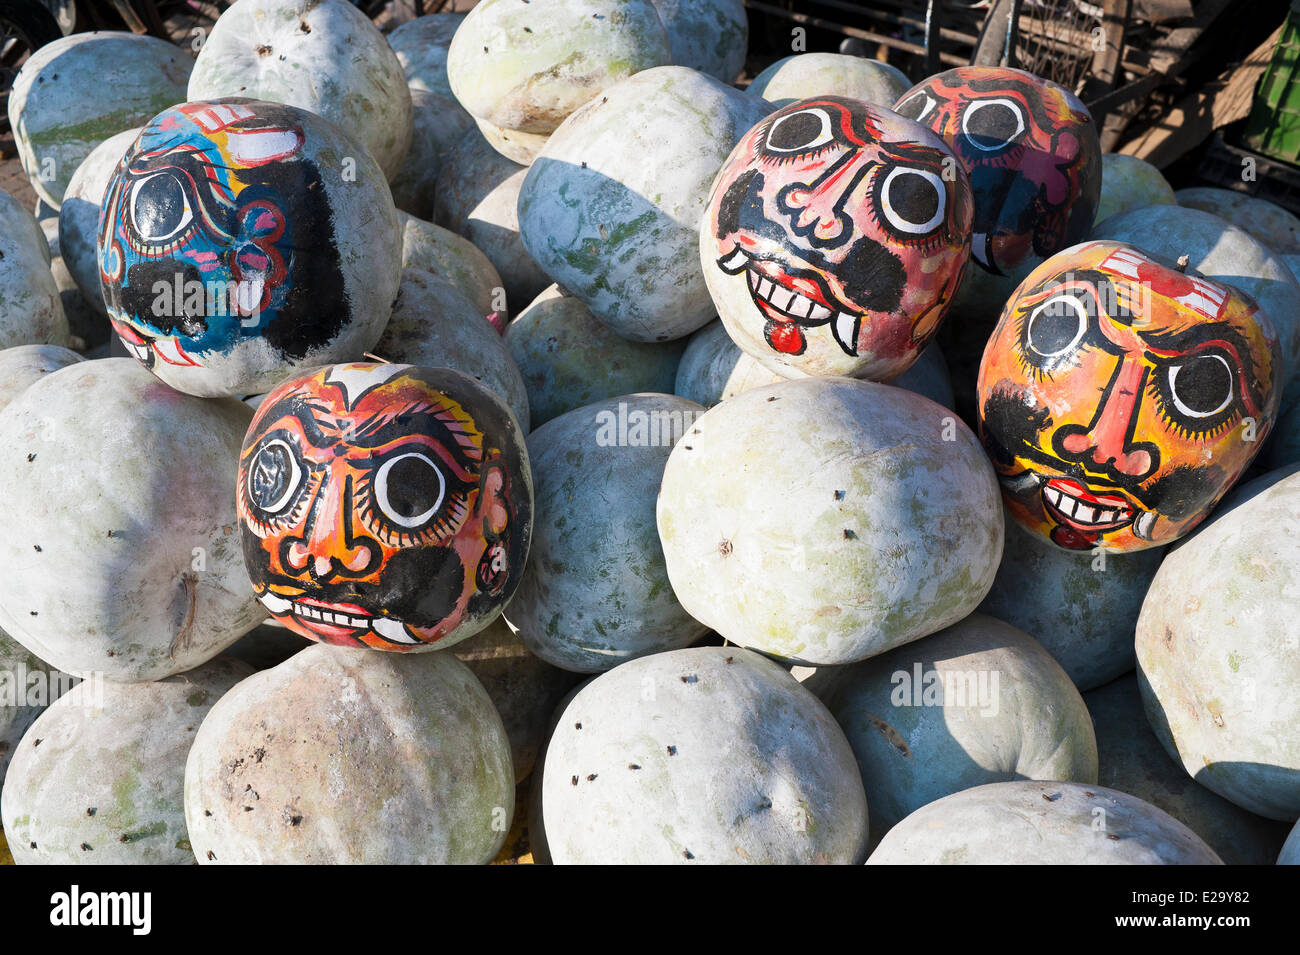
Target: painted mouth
(336, 621)
(771, 289)
(147, 350)
(1071, 504)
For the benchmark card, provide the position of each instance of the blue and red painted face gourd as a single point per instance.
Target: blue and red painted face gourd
(1031, 149)
(219, 243)
(387, 506)
(1119, 398)
(835, 237)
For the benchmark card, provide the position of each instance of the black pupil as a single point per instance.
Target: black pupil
(795, 131)
(993, 124)
(271, 474)
(1203, 383)
(159, 206)
(1053, 328)
(413, 487)
(913, 197)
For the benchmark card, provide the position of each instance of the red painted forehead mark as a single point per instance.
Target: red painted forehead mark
(1204, 298)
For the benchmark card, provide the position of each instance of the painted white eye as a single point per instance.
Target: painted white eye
(991, 124)
(916, 107)
(913, 200)
(160, 208)
(274, 476)
(1056, 327)
(806, 129)
(409, 489)
(1202, 386)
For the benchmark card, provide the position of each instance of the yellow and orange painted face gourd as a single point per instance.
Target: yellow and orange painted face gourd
(383, 505)
(1120, 398)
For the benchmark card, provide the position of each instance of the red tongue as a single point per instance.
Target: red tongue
(1073, 539)
(785, 337)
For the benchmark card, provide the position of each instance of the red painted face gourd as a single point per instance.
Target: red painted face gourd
(1032, 153)
(1120, 398)
(387, 506)
(835, 236)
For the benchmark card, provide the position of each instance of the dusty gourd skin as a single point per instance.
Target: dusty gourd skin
(830, 74)
(478, 198)
(524, 688)
(385, 506)
(1119, 399)
(319, 55)
(1130, 183)
(19, 704)
(76, 92)
(421, 46)
(243, 241)
(437, 123)
(611, 208)
(527, 66)
(1222, 252)
(1041, 823)
(100, 776)
(434, 323)
(1081, 606)
(976, 703)
(519, 147)
(835, 237)
(122, 550)
(350, 756)
(707, 35)
(31, 312)
(569, 359)
(595, 592)
(712, 755)
(1131, 760)
(24, 365)
(1266, 221)
(454, 259)
(1217, 665)
(826, 520)
(79, 214)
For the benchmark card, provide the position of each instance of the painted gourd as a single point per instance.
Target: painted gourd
(803, 75)
(31, 310)
(121, 553)
(595, 592)
(229, 249)
(355, 758)
(826, 520)
(709, 755)
(569, 359)
(1130, 183)
(978, 702)
(835, 237)
(79, 214)
(76, 92)
(385, 506)
(1217, 665)
(707, 35)
(1032, 152)
(1131, 760)
(100, 776)
(435, 324)
(324, 56)
(526, 67)
(1081, 606)
(1119, 399)
(478, 198)
(1041, 823)
(611, 208)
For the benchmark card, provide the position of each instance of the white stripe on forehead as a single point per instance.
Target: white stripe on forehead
(219, 115)
(357, 379)
(1206, 299)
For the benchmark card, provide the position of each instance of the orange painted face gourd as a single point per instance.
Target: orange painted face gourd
(1119, 398)
(386, 506)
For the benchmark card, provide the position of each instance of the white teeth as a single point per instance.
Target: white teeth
(799, 306)
(1083, 513)
(845, 330)
(819, 313)
(782, 298)
(392, 630)
(1052, 494)
(276, 605)
(765, 287)
(325, 616)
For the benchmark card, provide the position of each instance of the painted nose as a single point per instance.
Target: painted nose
(1106, 442)
(817, 210)
(331, 546)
